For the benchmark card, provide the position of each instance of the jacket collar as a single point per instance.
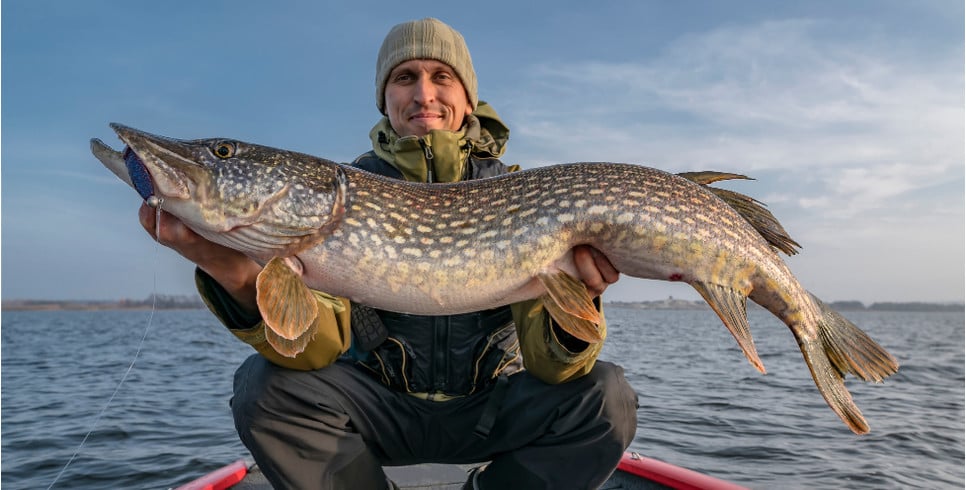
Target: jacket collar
(442, 156)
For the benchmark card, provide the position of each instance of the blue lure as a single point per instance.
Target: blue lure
(139, 174)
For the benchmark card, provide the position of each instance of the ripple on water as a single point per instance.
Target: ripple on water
(702, 405)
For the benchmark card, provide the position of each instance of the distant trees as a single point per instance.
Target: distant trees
(164, 302)
(896, 306)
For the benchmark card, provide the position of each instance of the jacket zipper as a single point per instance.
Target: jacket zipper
(428, 153)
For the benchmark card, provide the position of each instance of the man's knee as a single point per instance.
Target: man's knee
(249, 386)
(619, 400)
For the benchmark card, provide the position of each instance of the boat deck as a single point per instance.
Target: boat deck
(635, 472)
(450, 477)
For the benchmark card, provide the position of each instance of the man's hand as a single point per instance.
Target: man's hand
(594, 269)
(230, 268)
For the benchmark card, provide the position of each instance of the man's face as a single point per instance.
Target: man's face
(422, 95)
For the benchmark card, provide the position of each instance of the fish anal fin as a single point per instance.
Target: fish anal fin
(729, 304)
(580, 328)
(287, 305)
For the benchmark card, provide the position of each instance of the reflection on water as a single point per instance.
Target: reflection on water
(703, 406)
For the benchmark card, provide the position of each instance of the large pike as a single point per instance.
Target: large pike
(468, 246)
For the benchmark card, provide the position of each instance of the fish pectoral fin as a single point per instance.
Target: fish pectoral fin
(571, 306)
(729, 304)
(287, 305)
(287, 347)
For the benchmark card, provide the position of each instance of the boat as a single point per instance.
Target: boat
(635, 472)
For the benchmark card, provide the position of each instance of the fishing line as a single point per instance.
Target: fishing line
(155, 203)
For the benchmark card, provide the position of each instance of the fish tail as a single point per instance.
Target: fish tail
(851, 350)
(841, 347)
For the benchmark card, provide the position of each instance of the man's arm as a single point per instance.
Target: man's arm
(235, 272)
(549, 353)
(226, 281)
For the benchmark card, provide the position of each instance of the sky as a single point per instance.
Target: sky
(849, 115)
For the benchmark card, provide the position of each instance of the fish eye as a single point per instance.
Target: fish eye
(223, 149)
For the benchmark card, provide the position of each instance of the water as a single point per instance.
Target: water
(702, 405)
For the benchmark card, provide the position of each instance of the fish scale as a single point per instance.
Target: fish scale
(435, 249)
(496, 241)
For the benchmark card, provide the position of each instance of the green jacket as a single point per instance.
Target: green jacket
(548, 353)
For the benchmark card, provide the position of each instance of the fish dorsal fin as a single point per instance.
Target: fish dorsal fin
(706, 177)
(569, 303)
(752, 210)
(761, 219)
(287, 305)
(729, 304)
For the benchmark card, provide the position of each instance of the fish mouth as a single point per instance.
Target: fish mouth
(138, 172)
(155, 165)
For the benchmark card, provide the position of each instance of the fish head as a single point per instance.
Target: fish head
(262, 201)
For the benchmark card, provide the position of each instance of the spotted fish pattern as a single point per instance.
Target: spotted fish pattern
(468, 246)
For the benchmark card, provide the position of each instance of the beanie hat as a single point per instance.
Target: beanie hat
(424, 39)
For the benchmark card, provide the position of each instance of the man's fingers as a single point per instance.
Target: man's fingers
(594, 269)
(608, 272)
(147, 216)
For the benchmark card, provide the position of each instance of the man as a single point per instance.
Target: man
(413, 389)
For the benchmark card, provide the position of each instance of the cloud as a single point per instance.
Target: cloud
(855, 135)
(858, 113)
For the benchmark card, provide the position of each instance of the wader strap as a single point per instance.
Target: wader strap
(368, 331)
(492, 407)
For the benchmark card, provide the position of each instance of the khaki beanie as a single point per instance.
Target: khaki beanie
(424, 39)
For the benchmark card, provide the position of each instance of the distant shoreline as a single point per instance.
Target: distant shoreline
(164, 302)
(161, 302)
(683, 304)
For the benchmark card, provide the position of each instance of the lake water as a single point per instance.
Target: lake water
(703, 406)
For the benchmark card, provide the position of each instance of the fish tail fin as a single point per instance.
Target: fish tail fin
(730, 305)
(831, 384)
(841, 347)
(851, 350)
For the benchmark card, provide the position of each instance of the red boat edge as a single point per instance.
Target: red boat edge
(671, 476)
(221, 479)
(665, 475)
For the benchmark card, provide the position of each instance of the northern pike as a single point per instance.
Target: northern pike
(436, 249)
